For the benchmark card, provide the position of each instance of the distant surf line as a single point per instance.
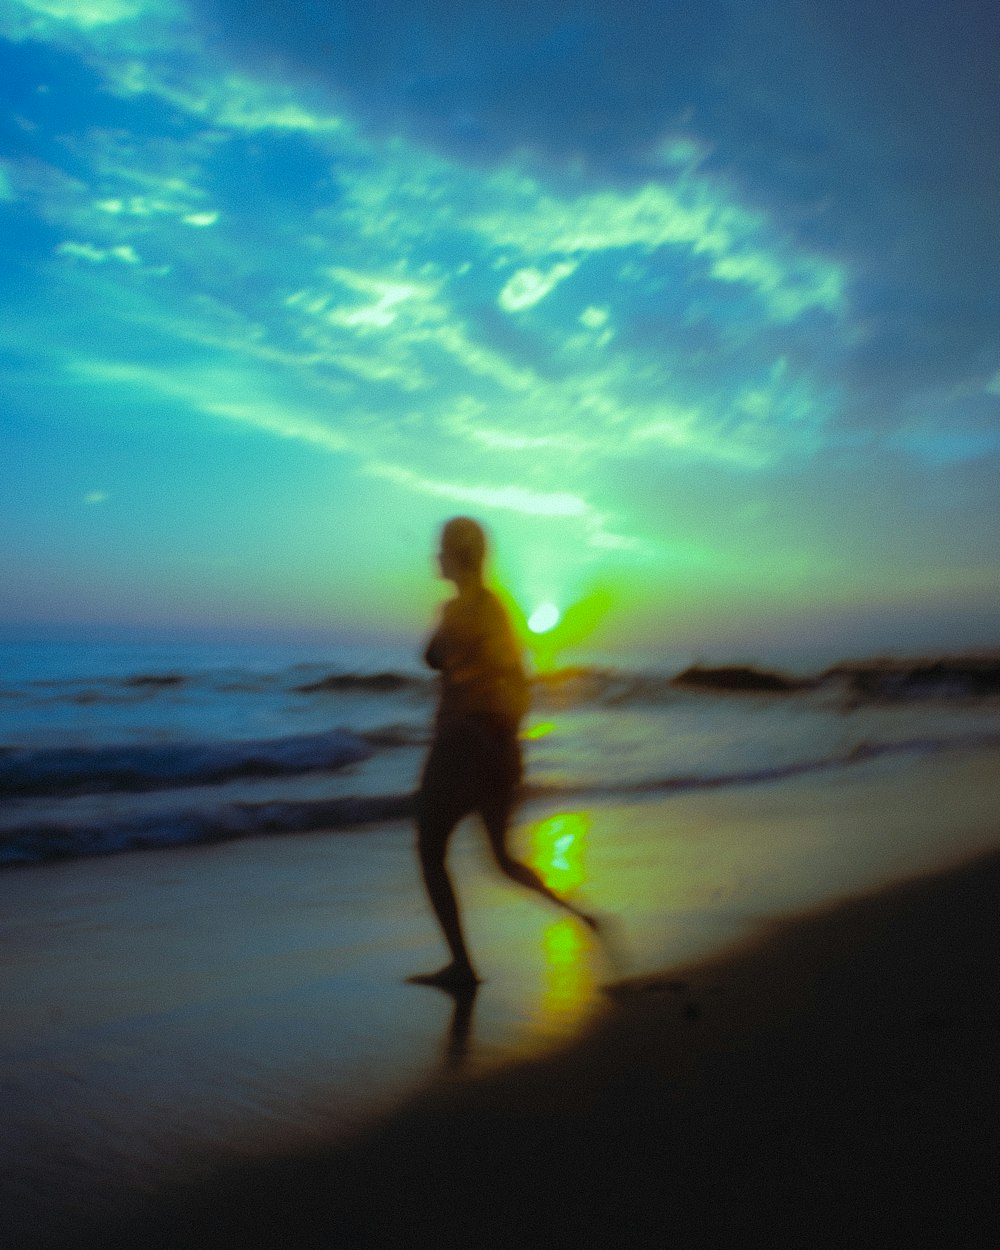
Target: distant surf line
(47, 842)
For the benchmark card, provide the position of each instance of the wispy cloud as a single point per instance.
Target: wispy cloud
(528, 287)
(201, 391)
(232, 101)
(124, 253)
(692, 213)
(86, 14)
(377, 304)
(506, 498)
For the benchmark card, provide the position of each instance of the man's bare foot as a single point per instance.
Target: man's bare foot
(451, 977)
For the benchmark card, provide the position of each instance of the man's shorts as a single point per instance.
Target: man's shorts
(474, 765)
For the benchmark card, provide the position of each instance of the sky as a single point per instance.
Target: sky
(695, 304)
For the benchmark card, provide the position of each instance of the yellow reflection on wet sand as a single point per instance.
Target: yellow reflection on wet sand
(569, 983)
(558, 852)
(558, 847)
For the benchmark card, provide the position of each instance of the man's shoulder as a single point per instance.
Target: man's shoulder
(481, 601)
(481, 613)
(492, 599)
(494, 609)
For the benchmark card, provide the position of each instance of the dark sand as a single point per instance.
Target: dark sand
(832, 1084)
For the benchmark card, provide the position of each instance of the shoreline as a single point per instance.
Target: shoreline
(191, 826)
(830, 1084)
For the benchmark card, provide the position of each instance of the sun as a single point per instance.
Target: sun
(544, 618)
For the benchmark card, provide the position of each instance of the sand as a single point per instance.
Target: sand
(832, 1086)
(216, 1047)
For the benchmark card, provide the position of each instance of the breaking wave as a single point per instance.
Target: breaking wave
(186, 826)
(34, 772)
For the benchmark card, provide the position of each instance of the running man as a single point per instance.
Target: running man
(474, 763)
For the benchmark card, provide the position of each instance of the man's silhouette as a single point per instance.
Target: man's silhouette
(474, 764)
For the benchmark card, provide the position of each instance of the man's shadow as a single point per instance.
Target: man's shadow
(457, 1040)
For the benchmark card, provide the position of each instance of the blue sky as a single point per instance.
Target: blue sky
(696, 308)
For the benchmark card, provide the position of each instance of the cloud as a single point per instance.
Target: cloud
(863, 134)
(593, 318)
(278, 420)
(529, 286)
(636, 280)
(244, 106)
(124, 253)
(86, 14)
(95, 496)
(557, 506)
(386, 295)
(200, 391)
(381, 299)
(506, 498)
(695, 215)
(230, 100)
(51, 191)
(490, 78)
(372, 289)
(150, 206)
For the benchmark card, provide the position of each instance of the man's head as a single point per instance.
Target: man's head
(463, 547)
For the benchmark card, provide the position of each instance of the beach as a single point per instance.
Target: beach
(832, 1086)
(216, 1044)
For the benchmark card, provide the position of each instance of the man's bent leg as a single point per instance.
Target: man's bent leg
(496, 818)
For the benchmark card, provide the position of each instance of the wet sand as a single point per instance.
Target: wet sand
(237, 1016)
(832, 1086)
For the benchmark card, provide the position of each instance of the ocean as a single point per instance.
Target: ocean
(109, 747)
